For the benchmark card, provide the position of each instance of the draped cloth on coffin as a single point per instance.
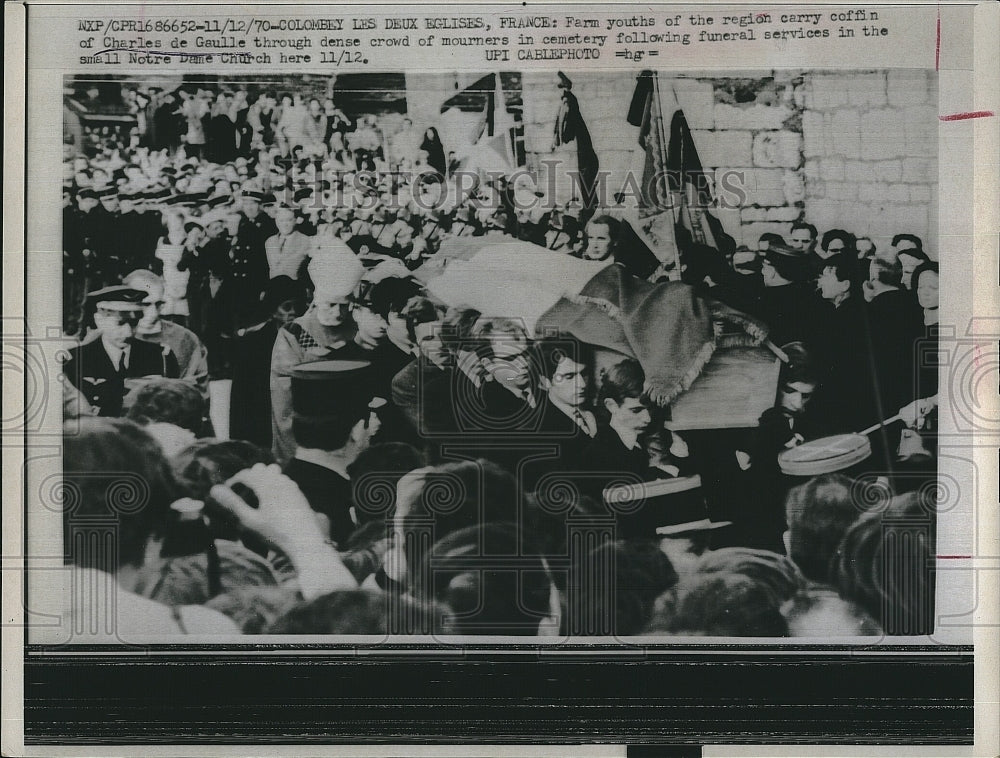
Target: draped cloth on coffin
(670, 330)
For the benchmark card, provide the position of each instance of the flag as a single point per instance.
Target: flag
(495, 147)
(570, 127)
(674, 187)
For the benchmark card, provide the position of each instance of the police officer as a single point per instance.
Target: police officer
(106, 368)
(249, 271)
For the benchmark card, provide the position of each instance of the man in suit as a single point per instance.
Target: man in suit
(287, 249)
(106, 369)
(565, 422)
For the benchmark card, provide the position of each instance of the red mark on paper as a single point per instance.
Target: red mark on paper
(964, 116)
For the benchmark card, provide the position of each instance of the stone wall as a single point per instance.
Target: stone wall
(853, 150)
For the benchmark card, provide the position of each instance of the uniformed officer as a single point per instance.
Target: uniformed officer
(249, 271)
(106, 369)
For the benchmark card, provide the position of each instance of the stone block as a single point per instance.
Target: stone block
(845, 130)
(827, 91)
(906, 87)
(873, 192)
(867, 89)
(698, 101)
(753, 117)
(789, 213)
(815, 189)
(909, 219)
(920, 129)
(857, 171)
(794, 186)
(748, 215)
(919, 170)
(881, 134)
(729, 148)
(812, 170)
(922, 195)
(889, 171)
(825, 214)
(840, 190)
(898, 193)
(762, 186)
(812, 134)
(777, 149)
(832, 169)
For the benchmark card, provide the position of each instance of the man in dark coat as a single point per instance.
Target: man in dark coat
(105, 370)
(249, 270)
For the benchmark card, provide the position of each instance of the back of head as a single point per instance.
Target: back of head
(488, 581)
(623, 380)
(889, 273)
(719, 605)
(169, 401)
(818, 514)
(358, 612)
(800, 366)
(776, 573)
(886, 565)
(642, 572)
(115, 475)
(208, 462)
(374, 475)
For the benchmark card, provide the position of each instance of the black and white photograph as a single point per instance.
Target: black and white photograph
(513, 354)
(529, 380)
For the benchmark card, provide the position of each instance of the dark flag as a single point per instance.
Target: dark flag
(570, 126)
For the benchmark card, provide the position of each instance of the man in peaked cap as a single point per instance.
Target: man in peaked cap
(325, 332)
(334, 419)
(249, 271)
(104, 370)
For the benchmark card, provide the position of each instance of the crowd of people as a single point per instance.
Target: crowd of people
(394, 464)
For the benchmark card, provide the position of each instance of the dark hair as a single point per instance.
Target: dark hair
(848, 239)
(887, 272)
(358, 612)
(886, 565)
(639, 572)
(171, 401)
(390, 295)
(471, 571)
(457, 329)
(908, 238)
(770, 238)
(115, 472)
(719, 604)
(818, 514)
(800, 366)
(205, 463)
(813, 232)
(776, 573)
(623, 380)
(844, 268)
(374, 476)
(419, 310)
(550, 351)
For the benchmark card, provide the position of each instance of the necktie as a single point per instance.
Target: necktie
(121, 364)
(581, 422)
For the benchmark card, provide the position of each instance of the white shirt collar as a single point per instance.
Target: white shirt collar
(115, 354)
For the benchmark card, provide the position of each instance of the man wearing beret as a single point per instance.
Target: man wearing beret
(105, 370)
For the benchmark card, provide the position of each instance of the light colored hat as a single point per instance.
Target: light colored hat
(334, 269)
